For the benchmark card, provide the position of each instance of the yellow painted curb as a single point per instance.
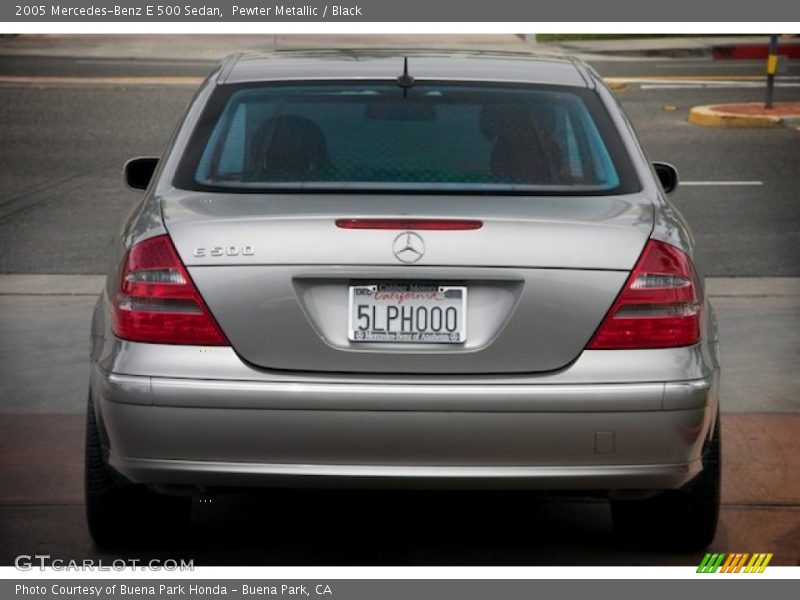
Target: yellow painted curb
(617, 86)
(709, 116)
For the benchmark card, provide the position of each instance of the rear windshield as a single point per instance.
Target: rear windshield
(433, 137)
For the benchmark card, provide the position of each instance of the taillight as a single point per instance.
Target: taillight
(157, 302)
(659, 306)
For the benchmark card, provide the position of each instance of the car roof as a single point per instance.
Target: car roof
(375, 64)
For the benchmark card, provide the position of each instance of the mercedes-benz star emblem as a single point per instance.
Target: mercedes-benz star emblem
(408, 247)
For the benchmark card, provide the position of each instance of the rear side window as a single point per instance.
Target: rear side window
(433, 137)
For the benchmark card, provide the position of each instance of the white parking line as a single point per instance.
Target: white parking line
(696, 82)
(733, 183)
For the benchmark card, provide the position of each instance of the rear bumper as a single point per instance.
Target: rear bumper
(243, 474)
(497, 435)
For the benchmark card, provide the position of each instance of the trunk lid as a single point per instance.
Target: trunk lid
(541, 273)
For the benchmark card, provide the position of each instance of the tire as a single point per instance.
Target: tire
(121, 514)
(682, 519)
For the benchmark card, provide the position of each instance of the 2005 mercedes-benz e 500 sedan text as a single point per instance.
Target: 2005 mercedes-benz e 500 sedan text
(435, 271)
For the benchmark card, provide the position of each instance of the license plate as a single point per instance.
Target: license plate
(408, 313)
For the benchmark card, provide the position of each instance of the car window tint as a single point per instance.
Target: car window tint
(433, 136)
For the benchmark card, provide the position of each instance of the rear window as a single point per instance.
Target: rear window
(433, 137)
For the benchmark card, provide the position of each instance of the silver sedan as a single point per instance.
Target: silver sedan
(366, 270)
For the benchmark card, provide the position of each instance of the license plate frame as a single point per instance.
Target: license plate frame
(408, 323)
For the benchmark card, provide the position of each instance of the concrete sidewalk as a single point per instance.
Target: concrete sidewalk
(213, 48)
(44, 328)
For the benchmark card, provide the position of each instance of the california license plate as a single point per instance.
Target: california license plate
(408, 313)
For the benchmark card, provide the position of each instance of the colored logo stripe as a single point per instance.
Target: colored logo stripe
(711, 562)
(758, 563)
(741, 562)
(733, 563)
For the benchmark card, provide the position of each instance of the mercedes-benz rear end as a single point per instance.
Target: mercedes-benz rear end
(376, 278)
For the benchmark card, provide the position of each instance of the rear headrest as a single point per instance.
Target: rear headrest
(290, 147)
(504, 120)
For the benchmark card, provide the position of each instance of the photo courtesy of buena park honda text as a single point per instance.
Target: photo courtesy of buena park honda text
(398, 300)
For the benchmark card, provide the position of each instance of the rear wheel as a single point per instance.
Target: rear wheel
(120, 513)
(683, 519)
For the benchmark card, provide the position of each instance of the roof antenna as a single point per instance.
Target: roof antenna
(405, 80)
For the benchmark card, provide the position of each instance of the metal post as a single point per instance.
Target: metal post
(772, 67)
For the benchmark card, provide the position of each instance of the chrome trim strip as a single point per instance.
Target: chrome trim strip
(206, 393)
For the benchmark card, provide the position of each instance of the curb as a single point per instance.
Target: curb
(710, 116)
(643, 53)
(616, 86)
(752, 287)
(51, 285)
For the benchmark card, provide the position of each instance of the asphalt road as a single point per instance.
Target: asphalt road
(62, 147)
